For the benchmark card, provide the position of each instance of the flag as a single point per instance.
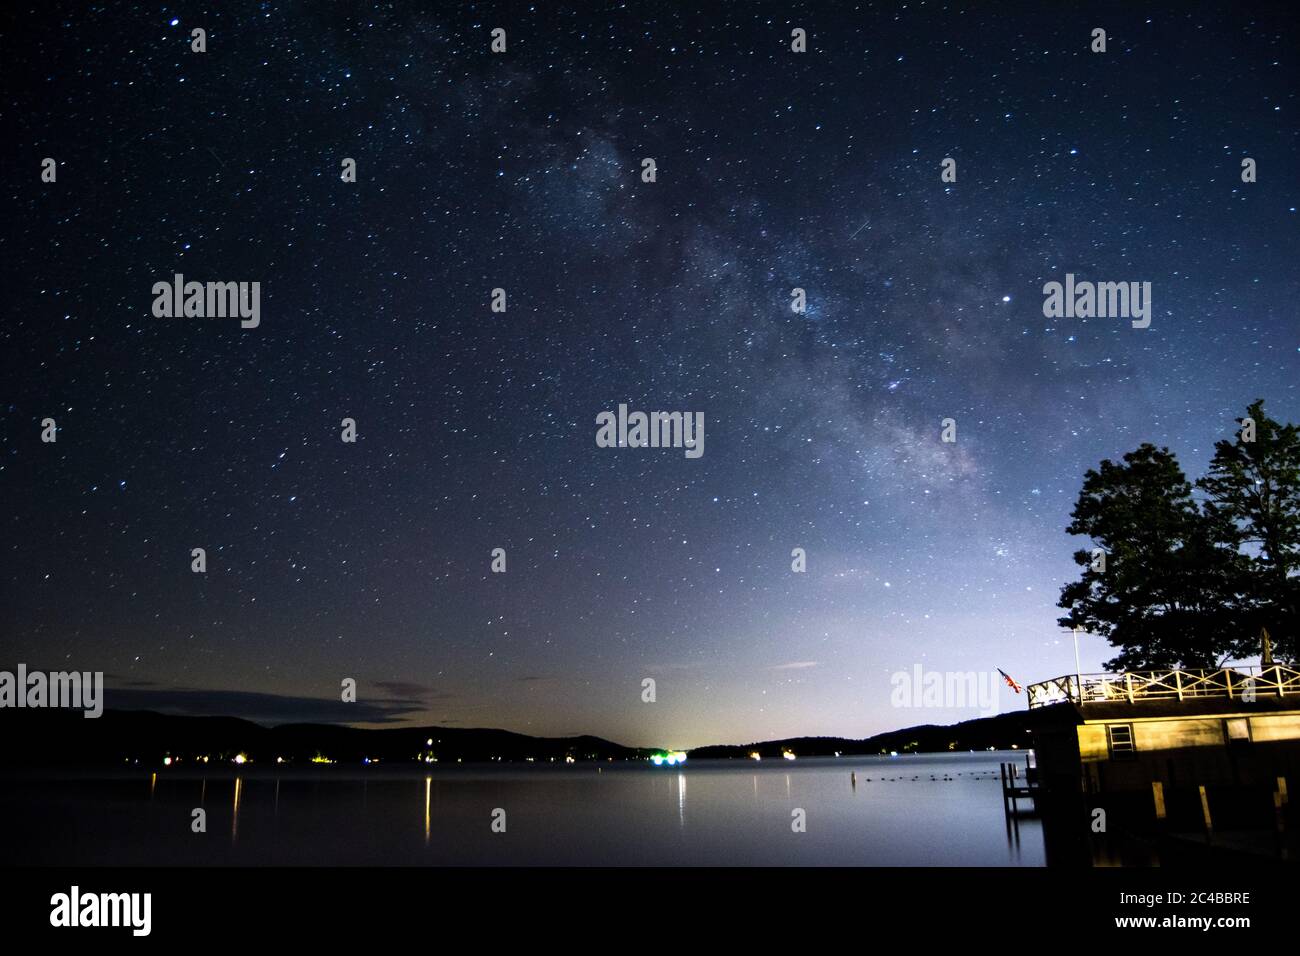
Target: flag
(1010, 683)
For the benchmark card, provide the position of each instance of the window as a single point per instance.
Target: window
(1120, 738)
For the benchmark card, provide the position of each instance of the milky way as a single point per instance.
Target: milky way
(476, 429)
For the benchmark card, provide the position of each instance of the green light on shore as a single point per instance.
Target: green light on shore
(670, 757)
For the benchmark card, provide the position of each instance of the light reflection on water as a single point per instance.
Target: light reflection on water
(681, 800)
(860, 811)
(234, 813)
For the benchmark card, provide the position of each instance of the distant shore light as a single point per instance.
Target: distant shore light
(670, 757)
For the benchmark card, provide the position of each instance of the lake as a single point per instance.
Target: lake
(910, 810)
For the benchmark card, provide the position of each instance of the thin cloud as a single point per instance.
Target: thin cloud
(269, 709)
(410, 690)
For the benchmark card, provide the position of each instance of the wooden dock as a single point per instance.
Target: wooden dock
(1016, 788)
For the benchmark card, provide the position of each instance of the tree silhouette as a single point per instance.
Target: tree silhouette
(1253, 487)
(1166, 594)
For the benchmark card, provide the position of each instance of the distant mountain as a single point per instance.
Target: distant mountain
(1001, 732)
(54, 738)
(63, 738)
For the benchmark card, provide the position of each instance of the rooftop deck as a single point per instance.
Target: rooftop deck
(1229, 683)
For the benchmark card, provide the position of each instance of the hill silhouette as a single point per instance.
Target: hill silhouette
(62, 738)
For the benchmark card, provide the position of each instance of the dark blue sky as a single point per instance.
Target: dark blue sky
(522, 171)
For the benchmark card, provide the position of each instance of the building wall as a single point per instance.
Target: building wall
(1190, 751)
(1092, 743)
(1056, 756)
(1173, 734)
(1278, 727)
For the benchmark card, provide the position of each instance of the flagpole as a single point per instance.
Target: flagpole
(1078, 669)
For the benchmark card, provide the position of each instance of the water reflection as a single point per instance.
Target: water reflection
(234, 816)
(906, 815)
(1013, 835)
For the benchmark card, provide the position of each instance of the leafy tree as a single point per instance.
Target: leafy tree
(1166, 597)
(1253, 487)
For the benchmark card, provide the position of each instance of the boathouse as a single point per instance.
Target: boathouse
(1235, 727)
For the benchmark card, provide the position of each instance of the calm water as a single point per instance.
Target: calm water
(904, 811)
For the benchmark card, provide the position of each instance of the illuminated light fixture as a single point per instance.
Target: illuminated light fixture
(788, 755)
(167, 761)
(755, 755)
(241, 758)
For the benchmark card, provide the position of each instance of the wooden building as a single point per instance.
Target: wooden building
(1177, 743)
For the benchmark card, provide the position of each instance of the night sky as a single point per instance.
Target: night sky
(476, 429)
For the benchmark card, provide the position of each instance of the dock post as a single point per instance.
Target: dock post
(1158, 792)
(1279, 820)
(1205, 810)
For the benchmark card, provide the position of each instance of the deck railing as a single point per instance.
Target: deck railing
(1232, 683)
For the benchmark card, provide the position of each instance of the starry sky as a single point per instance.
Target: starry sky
(476, 429)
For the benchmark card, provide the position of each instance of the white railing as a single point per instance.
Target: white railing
(1176, 684)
